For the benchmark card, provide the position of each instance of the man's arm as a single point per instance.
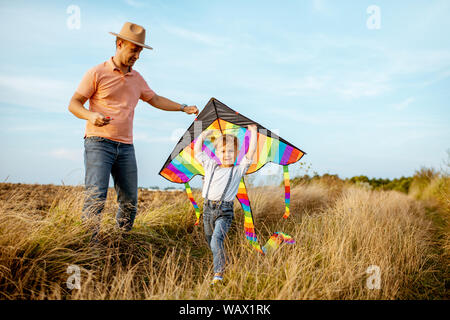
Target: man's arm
(163, 103)
(253, 141)
(77, 108)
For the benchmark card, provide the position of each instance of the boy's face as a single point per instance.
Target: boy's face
(226, 153)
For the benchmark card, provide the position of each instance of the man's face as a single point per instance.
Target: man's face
(128, 52)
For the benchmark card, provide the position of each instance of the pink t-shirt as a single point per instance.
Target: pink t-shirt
(113, 94)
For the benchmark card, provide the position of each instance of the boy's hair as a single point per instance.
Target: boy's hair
(224, 138)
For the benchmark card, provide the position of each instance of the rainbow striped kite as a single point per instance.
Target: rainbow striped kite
(182, 166)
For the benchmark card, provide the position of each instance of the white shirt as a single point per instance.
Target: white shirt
(221, 176)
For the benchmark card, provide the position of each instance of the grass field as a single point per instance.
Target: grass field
(340, 231)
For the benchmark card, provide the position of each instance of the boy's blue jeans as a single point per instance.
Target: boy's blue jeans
(217, 221)
(103, 157)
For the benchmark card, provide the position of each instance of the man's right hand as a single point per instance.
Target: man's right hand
(98, 119)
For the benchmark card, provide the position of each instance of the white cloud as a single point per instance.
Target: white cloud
(67, 154)
(310, 117)
(404, 104)
(360, 88)
(346, 67)
(36, 92)
(347, 87)
(323, 7)
(206, 39)
(32, 128)
(318, 5)
(417, 61)
(135, 4)
(144, 137)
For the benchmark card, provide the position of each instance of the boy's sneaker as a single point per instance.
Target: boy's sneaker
(216, 279)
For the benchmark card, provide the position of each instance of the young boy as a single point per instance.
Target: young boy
(220, 186)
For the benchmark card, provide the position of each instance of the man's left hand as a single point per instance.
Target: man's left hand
(191, 110)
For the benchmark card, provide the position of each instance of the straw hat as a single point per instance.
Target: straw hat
(133, 33)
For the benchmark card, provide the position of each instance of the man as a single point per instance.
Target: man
(113, 89)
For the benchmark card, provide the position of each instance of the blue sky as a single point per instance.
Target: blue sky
(357, 100)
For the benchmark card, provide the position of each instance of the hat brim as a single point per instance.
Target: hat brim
(135, 42)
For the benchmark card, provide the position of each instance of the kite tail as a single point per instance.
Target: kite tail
(287, 191)
(275, 240)
(249, 227)
(191, 197)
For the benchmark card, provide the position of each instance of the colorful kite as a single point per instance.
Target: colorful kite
(182, 166)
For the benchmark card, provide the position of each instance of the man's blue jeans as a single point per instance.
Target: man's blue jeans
(103, 157)
(217, 221)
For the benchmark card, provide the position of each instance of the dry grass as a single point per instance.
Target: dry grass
(339, 230)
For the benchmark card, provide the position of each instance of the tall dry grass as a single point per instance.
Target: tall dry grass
(432, 187)
(339, 230)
